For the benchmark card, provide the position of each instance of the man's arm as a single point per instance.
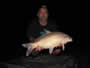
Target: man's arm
(29, 32)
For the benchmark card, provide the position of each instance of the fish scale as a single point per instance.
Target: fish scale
(50, 40)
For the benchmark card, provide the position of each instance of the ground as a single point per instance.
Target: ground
(44, 61)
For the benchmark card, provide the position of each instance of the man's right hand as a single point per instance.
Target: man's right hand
(33, 40)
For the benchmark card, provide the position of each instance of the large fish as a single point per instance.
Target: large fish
(49, 40)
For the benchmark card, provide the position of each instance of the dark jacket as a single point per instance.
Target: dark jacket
(35, 29)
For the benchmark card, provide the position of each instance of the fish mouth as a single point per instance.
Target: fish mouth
(71, 40)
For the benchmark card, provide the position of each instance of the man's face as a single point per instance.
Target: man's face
(43, 14)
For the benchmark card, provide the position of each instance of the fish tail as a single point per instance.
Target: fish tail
(29, 47)
(29, 50)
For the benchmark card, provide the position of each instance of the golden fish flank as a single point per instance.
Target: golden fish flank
(50, 40)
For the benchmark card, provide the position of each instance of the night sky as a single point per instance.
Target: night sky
(69, 16)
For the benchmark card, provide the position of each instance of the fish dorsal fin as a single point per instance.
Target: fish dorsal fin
(47, 31)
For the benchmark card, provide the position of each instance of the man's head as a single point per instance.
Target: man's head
(43, 13)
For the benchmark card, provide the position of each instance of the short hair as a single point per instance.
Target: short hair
(43, 6)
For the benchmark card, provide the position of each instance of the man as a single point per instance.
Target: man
(36, 28)
(38, 25)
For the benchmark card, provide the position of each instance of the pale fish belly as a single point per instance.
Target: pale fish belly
(49, 42)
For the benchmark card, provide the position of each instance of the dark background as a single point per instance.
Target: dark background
(69, 16)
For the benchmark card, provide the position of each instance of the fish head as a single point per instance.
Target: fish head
(67, 39)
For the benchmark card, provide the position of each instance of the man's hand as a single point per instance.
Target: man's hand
(57, 51)
(33, 40)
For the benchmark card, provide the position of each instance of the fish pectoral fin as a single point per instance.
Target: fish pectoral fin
(39, 49)
(50, 50)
